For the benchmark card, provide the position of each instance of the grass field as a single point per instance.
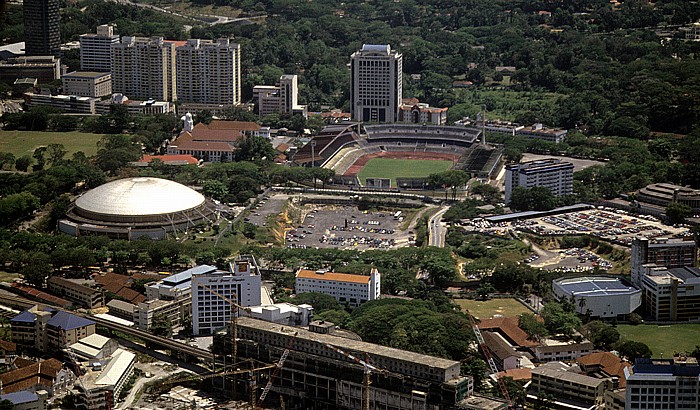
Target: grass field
(408, 168)
(25, 142)
(664, 340)
(485, 309)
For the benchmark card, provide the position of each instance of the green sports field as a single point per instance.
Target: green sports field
(664, 340)
(406, 168)
(25, 142)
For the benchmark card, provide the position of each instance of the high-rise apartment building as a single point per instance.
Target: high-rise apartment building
(553, 174)
(376, 83)
(671, 294)
(96, 49)
(663, 384)
(668, 253)
(144, 68)
(41, 28)
(209, 72)
(241, 285)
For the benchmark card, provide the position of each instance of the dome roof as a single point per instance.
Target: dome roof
(139, 196)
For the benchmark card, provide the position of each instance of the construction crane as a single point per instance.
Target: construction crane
(234, 327)
(368, 369)
(278, 368)
(489, 359)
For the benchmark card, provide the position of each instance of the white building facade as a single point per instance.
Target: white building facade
(95, 49)
(242, 285)
(376, 88)
(209, 72)
(87, 84)
(345, 288)
(553, 174)
(281, 98)
(599, 296)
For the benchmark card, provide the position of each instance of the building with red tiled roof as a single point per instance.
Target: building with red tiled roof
(521, 374)
(509, 329)
(119, 285)
(47, 375)
(605, 364)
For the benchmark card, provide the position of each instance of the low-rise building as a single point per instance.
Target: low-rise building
(99, 388)
(411, 111)
(539, 131)
(44, 68)
(605, 365)
(599, 296)
(147, 107)
(282, 313)
(671, 294)
(26, 400)
(121, 309)
(93, 347)
(72, 290)
(49, 329)
(87, 84)
(663, 384)
(146, 312)
(662, 194)
(560, 386)
(241, 285)
(554, 350)
(504, 355)
(72, 104)
(345, 288)
(48, 375)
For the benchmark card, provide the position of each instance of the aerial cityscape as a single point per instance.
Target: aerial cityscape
(320, 204)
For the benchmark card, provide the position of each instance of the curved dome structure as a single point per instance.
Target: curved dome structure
(133, 207)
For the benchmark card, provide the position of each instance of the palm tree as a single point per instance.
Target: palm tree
(582, 303)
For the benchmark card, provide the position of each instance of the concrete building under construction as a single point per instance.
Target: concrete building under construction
(316, 375)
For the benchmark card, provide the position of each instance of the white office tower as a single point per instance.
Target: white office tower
(144, 68)
(241, 285)
(553, 174)
(209, 72)
(376, 88)
(95, 49)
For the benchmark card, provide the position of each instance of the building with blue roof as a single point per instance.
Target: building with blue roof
(26, 400)
(49, 330)
(663, 383)
(601, 296)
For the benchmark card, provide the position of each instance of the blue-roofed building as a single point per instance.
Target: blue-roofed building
(26, 400)
(171, 297)
(663, 384)
(599, 295)
(49, 330)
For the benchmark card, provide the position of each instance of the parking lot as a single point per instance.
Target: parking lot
(346, 227)
(268, 205)
(616, 226)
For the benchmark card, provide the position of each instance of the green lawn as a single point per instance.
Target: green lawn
(504, 104)
(407, 168)
(485, 309)
(664, 340)
(25, 142)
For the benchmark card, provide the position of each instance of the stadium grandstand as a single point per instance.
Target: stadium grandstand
(326, 144)
(341, 148)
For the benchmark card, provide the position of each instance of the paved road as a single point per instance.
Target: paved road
(204, 18)
(437, 229)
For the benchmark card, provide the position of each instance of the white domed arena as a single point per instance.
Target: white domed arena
(130, 208)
